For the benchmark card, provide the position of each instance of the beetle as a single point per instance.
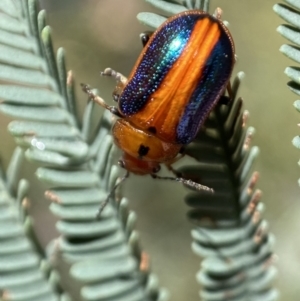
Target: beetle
(180, 75)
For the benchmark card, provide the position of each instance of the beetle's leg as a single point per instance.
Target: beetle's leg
(119, 77)
(121, 81)
(218, 13)
(145, 36)
(189, 183)
(87, 89)
(174, 160)
(182, 150)
(174, 171)
(103, 205)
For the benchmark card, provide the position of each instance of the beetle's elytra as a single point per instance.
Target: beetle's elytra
(178, 78)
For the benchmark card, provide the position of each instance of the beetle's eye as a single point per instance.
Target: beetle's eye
(156, 169)
(121, 163)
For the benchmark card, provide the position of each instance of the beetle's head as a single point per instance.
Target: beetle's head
(138, 166)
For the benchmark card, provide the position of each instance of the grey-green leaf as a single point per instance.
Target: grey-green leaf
(168, 8)
(13, 25)
(29, 96)
(75, 149)
(79, 178)
(291, 52)
(21, 58)
(26, 77)
(150, 19)
(297, 105)
(76, 196)
(21, 128)
(87, 230)
(295, 3)
(41, 113)
(103, 270)
(289, 32)
(293, 73)
(288, 14)
(17, 41)
(48, 158)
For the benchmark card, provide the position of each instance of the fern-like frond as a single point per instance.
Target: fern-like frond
(169, 8)
(77, 163)
(25, 274)
(230, 232)
(291, 32)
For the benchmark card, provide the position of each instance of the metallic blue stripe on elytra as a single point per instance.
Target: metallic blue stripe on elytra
(158, 59)
(214, 78)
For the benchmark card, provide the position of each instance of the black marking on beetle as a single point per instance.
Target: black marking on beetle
(152, 129)
(143, 150)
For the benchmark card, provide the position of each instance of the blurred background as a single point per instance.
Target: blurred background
(105, 33)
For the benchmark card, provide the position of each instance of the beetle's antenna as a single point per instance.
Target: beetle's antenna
(103, 205)
(189, 183)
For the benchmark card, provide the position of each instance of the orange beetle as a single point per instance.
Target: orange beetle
(178, 78)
